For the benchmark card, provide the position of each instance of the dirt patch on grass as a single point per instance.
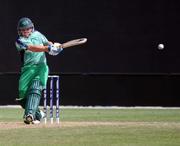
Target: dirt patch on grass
(16, 125)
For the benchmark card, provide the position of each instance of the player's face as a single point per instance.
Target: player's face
(26, 32)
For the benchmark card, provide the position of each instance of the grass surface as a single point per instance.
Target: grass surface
(95, 127)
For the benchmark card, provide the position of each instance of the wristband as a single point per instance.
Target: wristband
(49, 48)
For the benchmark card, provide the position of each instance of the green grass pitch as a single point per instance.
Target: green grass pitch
(94, 127)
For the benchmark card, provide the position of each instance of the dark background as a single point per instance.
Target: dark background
(119, 65)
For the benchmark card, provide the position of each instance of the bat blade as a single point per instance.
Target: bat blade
(74, 42)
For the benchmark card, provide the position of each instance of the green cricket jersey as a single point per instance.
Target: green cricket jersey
(34, 63)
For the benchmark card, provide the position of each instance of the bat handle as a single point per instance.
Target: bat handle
(61, 46)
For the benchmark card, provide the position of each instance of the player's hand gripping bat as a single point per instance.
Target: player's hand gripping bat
(71, 43)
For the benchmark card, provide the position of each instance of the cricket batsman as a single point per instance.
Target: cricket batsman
(33, 46)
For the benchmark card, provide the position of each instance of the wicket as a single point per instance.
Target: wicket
(54, 81)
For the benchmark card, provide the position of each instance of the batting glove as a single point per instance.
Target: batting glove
(58, 45)
(54, 50)
(20, 44)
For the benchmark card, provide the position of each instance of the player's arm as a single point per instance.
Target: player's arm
(34, 48)
(50, 48)
(38, 48)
